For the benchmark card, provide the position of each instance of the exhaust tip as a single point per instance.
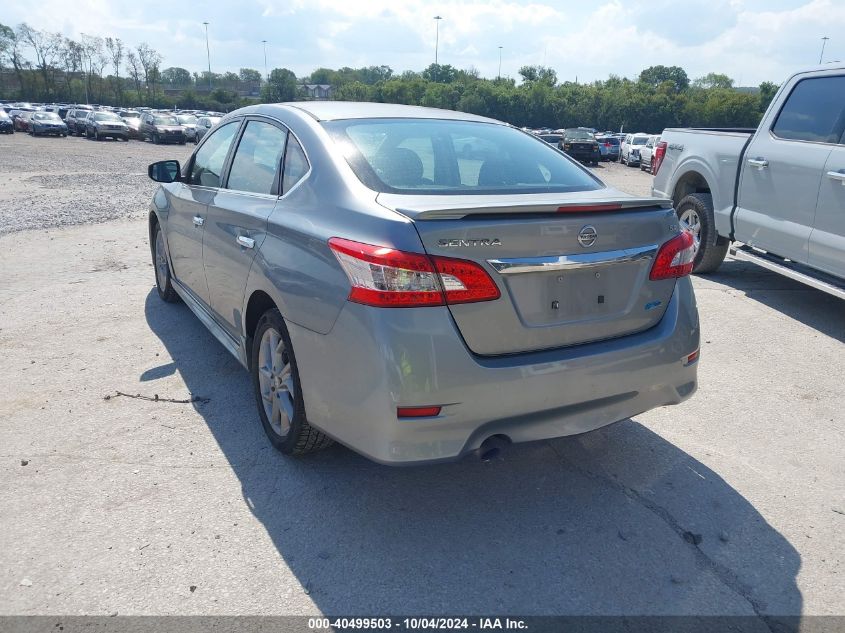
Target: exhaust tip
(492, 448)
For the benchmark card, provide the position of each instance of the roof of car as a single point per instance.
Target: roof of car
(335, 110)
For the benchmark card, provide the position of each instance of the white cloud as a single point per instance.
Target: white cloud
(750, 40)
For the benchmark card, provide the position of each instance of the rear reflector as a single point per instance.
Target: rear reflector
(675, 258)
(689, 360)
(588, 208)
(388, 278)
(417, 412)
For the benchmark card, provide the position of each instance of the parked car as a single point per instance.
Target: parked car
(581, 145)
(162, 128)
(609, 147)
(204, 124)
(132, 118)
(6, 125)
(75, 121)
(47, 124)
(647, 154)
(305, 236)
(101, 125)
(23, 121)
(629, 150)
(777, 193)
(189, 123)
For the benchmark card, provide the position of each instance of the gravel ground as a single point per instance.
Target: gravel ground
(50, 181)
(731, 503)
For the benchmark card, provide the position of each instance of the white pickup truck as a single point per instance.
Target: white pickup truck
(775, 195)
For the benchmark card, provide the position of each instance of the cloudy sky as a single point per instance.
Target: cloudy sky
(750, 40)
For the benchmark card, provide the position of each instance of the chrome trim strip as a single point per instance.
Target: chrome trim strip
(572, 262)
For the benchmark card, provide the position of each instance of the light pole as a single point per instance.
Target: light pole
(87, 72)
(266, 74)
(437, 19)
(499, 76)
(824, 41)
(208, 53)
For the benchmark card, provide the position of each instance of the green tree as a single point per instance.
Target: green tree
(249, 76)
(767, 93)
(280, 87)
(444, 73)
(542, 74)
(354, 91)
(714, 80)
(175, 76)
(656, 75)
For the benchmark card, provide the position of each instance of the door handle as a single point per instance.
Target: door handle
(246, 242)
(198, 221)
(837, 175)
(759, 163)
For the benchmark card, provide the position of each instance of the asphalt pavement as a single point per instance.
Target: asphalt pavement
(731, 503)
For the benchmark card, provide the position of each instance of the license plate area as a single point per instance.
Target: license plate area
(579, 295)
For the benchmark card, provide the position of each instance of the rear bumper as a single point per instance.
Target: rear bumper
(584, 155)
(373, 361)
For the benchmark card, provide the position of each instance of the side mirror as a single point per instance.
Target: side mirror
(164, 171)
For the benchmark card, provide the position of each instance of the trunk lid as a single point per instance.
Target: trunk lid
(556, 290)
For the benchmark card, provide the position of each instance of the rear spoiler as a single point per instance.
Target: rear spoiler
(589, 206)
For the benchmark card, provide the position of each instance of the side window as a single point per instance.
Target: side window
(296, 165)
(209, 159)
(813, 111)
(257, 159)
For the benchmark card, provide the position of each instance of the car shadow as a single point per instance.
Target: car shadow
(614, 522)
(817, 309)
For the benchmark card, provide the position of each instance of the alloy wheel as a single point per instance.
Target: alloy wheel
(690, 221)
(275, 379)
(162, 270)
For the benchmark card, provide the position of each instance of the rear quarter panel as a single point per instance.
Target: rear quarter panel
(295, 265)
(712, 156)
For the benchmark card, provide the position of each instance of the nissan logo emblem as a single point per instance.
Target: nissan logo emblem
(587, 236)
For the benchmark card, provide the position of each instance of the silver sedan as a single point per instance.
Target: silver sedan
(421, 284)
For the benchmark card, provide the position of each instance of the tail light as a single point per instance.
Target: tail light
(675, 258)
(608, 145)
(659, 154)
(388, 278)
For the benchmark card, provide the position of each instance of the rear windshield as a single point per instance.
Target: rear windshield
(165, 120)
(435, 156)
(639, 140)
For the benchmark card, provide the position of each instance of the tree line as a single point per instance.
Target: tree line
(39, 65)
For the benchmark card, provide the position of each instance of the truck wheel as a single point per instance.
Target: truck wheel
(695, 213)
(275, 378)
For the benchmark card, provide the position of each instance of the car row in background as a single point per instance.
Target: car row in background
(96, 122)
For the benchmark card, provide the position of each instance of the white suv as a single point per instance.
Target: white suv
(629, 152)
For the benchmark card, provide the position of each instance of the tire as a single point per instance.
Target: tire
(97, 136)
(712, 248)
(279, 391)
(164, 282)
(156, 139)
